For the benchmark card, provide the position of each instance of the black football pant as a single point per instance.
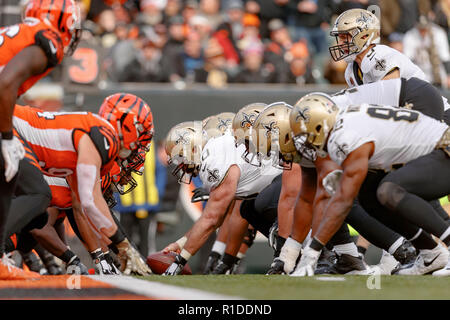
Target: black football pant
(262, 213)
(31, 199)
(408, 191)
(6, 194)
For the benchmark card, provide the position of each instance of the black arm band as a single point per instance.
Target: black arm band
(316, 245)
(8, 135)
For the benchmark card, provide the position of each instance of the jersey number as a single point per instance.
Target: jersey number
(87, 70)
(10, 32)
(396, 115)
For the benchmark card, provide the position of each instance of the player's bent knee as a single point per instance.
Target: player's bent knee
(390, 194)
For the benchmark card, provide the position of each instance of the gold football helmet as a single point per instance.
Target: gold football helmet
(272, 133)
(311, 120)
(217, 125)
(360, 27)
(183, 145)
(242, 125)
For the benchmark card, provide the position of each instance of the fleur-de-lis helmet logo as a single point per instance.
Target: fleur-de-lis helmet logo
(223, 124)
(248, 120)
(303, 115)
(182, 139)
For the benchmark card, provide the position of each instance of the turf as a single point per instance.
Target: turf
(281, 287)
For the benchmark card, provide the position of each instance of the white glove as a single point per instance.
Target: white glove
(331, 181)
(289, 254)
(131, 260)
(307, 264)
(13, 152)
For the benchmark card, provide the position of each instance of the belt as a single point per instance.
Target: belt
(444, 142)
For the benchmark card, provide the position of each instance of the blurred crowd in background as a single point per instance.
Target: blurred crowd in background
(251, 41)
(248, 41)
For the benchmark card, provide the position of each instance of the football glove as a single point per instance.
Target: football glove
(101, 266)
(199, 194)
(13, 152)
(131, 261)
(75, 266)
(307, 264)
(212, 262)
(176, 267)
(277, 267)
(331, 181)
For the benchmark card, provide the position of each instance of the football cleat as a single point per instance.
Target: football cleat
(426, 262)
(347, 264)
(387, 265)
(326, 262)
(222, 268)
(34, 263)
(212, 262)
(8, 271)
(406, 253)
(443, 272)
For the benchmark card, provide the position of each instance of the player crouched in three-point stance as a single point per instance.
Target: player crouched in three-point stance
(380, 138)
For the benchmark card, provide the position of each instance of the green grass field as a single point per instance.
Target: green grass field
(261, 287)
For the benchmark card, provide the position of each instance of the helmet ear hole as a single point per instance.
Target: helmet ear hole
(318, 128)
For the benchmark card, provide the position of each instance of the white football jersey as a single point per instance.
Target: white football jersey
(378, 62)
(385, 92)
(400, 135)
(220, 153)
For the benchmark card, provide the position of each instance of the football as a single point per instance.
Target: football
(159, 262)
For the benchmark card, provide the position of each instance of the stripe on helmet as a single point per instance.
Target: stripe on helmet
(61, 15)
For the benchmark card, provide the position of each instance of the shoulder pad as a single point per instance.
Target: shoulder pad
(106, 142)
(50, 41)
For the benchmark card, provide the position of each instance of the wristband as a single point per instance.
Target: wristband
(181, 242)
(8, 135)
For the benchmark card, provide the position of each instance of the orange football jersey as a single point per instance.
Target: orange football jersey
(54, 137)
(15, 38)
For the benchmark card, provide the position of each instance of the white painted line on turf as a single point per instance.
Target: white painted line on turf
(159, 290)
(330, 278)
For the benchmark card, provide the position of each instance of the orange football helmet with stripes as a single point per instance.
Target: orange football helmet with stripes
(133, 120)
(63, 15)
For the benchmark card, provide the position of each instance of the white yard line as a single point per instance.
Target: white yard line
(159, 290)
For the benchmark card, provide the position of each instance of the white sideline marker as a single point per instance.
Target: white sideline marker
(159, 290)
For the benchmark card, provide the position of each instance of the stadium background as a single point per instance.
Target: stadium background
(91, 74)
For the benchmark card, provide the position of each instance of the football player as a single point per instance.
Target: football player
(357, 33)
(87, 146)
(272, 140)
(28, 52)
(224, 174)
(378, 138)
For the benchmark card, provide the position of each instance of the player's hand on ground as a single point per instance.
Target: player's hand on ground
(307, 264)
(131, 261)
(176, 267)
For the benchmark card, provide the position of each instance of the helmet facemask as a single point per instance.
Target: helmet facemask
(184, 148)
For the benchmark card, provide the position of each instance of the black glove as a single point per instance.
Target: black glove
(212, 262)
(277, 267)
(75, 266)
(176, 267)
(101, 265)
(199, 194)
